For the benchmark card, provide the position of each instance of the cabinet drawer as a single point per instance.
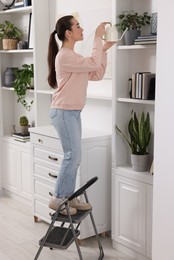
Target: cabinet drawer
(41, 190)
(46, 173)
(47, 156)
(42, 210)
(45, 141)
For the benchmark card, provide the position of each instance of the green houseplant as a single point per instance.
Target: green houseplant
(140, 135)
(10, 35)
(133, 22)
(22, 83)
(23, 121)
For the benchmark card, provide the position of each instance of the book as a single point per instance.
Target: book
(146, 80)
(145, 42)
(133, 90)
(144, 39)
(20, 136)
(22, 140)
(147, 37)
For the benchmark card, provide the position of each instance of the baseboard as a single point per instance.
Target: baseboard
(130, 252)
(17, 197)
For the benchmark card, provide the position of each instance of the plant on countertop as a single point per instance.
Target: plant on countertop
(23, 121)
(132, 20)
(140, 133)
(22, 83)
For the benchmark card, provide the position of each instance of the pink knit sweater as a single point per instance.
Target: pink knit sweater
(73, 72)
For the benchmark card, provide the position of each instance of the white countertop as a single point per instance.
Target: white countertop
(51, 132)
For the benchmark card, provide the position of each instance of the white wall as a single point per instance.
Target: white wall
(163, 213)
(97, 114)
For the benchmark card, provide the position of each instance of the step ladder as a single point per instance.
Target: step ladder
(62, 237)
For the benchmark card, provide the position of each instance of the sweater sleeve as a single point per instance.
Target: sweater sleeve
(73, 62)
(99, 73)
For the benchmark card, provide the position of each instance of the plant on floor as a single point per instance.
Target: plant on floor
(132, 20)
(22, 83)
(139, 131)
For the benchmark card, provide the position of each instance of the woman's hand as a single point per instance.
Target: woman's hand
(100, 31)
(107, 45)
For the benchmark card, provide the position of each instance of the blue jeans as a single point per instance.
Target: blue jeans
(68, 126)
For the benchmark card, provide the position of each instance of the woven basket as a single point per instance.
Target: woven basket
(9, 44)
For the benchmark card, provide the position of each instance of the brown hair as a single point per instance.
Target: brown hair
(63, 24)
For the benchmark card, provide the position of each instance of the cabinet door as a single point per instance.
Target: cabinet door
(25, 172)
(16, 165)
(149, 221)
(130, 212)
(9, 166)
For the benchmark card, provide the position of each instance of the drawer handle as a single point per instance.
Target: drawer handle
(40, 141)
(52, 175)
(53, 158)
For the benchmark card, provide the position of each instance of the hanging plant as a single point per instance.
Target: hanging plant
(22, 83)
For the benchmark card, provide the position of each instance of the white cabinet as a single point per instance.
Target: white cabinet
(96, 161)
(133, 214)
(16, 168)
(10, 109)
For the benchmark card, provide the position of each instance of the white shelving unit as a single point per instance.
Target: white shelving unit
(9, 108)
(131, 191)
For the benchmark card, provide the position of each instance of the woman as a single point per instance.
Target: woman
(69, 73)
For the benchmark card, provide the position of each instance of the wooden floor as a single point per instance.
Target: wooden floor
(19, 237)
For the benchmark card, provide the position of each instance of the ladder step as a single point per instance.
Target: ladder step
(56, 235)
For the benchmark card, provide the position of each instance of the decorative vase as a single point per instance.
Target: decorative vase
(154, 24)
(9, 44)
(27, 2)
(130, 36)
(9, 76)
(140, 163)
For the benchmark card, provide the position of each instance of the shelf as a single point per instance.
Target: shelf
(16, 51)
(11, 139)
(136, 47)
(137, 101)
(47, 92)
(99, 97)
(50, 92)
(12, 89)
(20, 10)
(127, 171)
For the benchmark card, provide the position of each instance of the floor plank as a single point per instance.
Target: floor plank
(19, 236)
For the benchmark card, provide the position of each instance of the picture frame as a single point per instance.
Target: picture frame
(19, 3)
(30, 32)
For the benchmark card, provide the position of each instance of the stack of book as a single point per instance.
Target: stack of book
(143, 85)
(146, 39)
(21, 138)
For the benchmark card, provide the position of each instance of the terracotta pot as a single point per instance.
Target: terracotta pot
(24, 130)
(9, 44)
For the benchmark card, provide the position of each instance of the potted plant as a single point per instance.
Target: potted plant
(140, 134)
(23, 121)
(23, 82)
(133, 22)
(10, 35)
